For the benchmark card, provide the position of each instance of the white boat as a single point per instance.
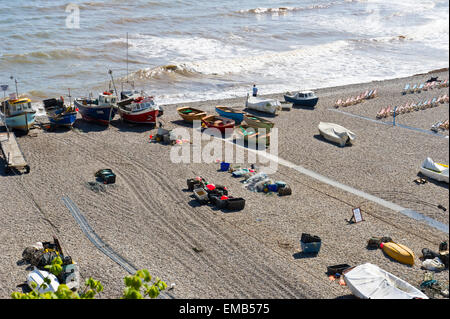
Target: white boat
(434, 170)
(336, 133)
(265, 105)
(368, 281)
(37, 276)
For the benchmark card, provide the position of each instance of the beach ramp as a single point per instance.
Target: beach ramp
(12, 153)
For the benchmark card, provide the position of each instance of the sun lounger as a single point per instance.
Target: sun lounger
(405, 90)
(380, 113)
(420, 88)
(414, 88)
(434, 102)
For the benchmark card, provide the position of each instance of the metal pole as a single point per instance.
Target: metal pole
(395, 109)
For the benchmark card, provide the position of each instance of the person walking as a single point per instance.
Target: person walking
(255, 90)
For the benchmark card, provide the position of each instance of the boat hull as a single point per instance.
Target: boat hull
(258, 122)
(99, 114)
(225, 123)
(399, 252)
(23, 121)
(301, 102)
(336, 133)
(64, 120)
(146, 117)
(237, 117)
(195, 115)
(368, 281)
(263, 105)
(441, 177)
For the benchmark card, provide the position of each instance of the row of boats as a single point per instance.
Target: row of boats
(133, 106)
(412, 106)
(244, 124)
(369, 94)
(428, 85)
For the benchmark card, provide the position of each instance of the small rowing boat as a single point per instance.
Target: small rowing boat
(218, 122)
(228, 112)
(258, 122)
(189, 114)
(434, 170)
(252, 135)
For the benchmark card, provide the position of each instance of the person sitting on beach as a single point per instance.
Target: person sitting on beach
(255, 90)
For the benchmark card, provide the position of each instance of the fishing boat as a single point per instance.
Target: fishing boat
(399, 252)
(228, 112)
(189, 114)
(336, 133)
(18, 113)
(258, 122)
(251, 134)
(218, 122)
(368, 281)
(434, 170)
(58, 113)
(101, 110)
(265, 105)
(302, 98)
(138, 109)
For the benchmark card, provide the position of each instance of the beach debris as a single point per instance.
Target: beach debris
(42, 281)
(197, 250)
(434, 264)
(431, 287)
(374, 242)
(420, 181)
(310, 244)
(41, 254)
(217, 195)
(172, 286)
(106, 175)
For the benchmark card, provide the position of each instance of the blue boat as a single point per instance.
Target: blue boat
(304, 98)
(228, 112)
(101, 110)
(60, 114)
(18, 114)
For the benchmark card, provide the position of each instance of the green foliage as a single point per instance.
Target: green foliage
(139, 286)
(141, 280)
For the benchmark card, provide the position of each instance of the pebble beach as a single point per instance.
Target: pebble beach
(150, 218)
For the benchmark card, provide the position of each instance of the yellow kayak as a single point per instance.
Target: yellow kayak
(398, 252)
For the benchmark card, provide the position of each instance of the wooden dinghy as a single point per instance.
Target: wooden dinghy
(228, 112)
(218, 122)
(189, 114)
(251, 134)
(258, 122)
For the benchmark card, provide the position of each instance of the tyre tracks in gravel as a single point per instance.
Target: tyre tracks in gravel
(260, 272)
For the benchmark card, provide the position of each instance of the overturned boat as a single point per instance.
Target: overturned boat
(336, 133)
(368, 281)
(265, 105)
(434, 170)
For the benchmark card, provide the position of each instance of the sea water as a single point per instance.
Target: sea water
(182, 51)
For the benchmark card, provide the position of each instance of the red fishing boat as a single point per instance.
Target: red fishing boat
(139, 109)
(218, 122)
